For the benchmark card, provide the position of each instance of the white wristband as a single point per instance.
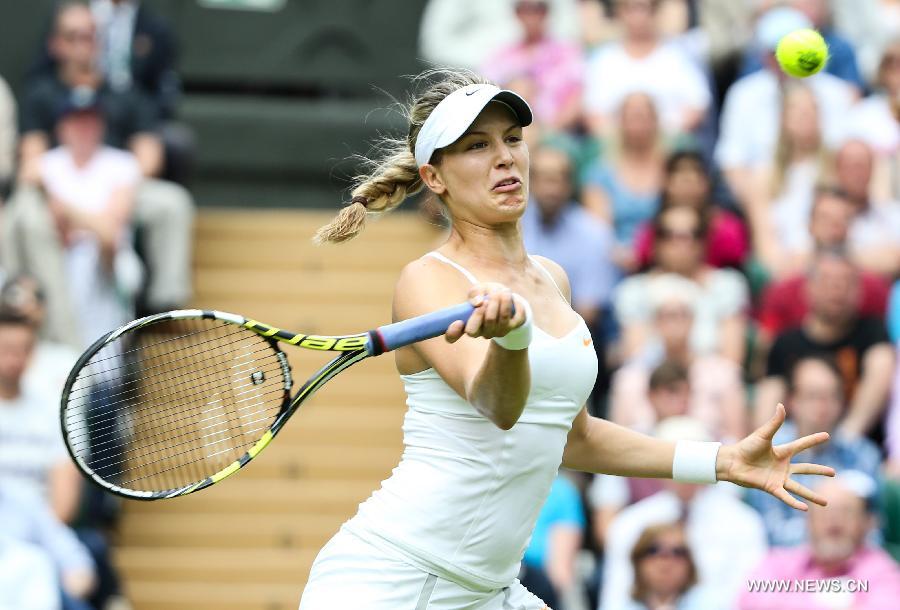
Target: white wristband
(517, 338)
(695, 462)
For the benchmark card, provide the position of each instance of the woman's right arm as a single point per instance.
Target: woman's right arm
(493, 379)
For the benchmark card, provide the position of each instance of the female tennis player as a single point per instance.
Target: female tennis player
(496, 405)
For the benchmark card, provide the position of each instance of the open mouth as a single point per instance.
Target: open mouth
(507, 184)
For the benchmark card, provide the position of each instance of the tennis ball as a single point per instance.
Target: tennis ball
(802, 53)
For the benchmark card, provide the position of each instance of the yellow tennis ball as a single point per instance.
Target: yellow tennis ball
(802, 53)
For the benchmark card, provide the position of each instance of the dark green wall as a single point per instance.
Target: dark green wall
(278, 100)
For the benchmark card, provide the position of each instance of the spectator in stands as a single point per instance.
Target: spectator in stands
(780, 210)
(841, 54)
(874, 238)
(464, 35)
(715, 391)
(551, 68)
(623, 190)
(642, 62)
(837, 551)
(687, 182)
(876, 121)
(51, 362)
(726, 535)
(893, 315)
(556, 226)
(163, 210)
(833, 325)
(27, 520)
(784, 303)
(815, 401)
(7, 137)
(90, 193)
(664, 570)
(719, 321)
(548, 567)
(750, 115)
(27, 577)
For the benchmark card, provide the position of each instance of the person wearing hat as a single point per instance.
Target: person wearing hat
(496, 406)
(750, 114)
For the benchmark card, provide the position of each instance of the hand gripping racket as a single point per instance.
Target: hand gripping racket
(175, 402)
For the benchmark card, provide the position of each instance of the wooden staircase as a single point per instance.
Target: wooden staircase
(248, 543)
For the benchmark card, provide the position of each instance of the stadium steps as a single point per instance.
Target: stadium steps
(248, 543)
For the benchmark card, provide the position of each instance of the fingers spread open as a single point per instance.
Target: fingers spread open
(807, 468)
(804, 492)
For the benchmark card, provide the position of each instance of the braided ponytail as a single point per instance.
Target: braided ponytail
(395, 175)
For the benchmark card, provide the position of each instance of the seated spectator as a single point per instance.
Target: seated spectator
(833, 326)
(464, 35)
(727, 536)
(874, 238)
(163, 210)
(893, 315)
(874, 120)
(33, 457)
(27, 520)
(557, 227)
(51, 362)
(815, 403)
(548, 567)
(643, 62)
(623, 190)
(664, 570)
(784, 302)
(7, 137)
(837, 550)
(687, 182)
(748, 133)
(552, 67)
(841, 54)
(710, 384)
(27, 577)
(719, 321)
(779, 212)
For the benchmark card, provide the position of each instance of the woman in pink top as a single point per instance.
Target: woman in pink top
(687, 183)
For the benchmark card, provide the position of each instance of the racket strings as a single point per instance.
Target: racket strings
(173, 402)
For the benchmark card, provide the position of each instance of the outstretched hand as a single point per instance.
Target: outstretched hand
(756, 462)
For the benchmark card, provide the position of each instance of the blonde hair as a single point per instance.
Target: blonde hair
(393, 175)
(784, 148)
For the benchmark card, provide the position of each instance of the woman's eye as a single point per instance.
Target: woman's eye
(514, 139)
(474, 145)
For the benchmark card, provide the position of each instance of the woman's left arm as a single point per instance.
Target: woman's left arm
(596, 445)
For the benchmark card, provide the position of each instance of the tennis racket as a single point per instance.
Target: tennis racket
(175, 402)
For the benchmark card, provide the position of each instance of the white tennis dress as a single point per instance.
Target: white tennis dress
(448, 529)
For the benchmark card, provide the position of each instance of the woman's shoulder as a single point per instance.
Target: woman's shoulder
(426, 284)
(557, 273)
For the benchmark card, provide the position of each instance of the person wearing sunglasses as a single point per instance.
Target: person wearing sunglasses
(664, 570)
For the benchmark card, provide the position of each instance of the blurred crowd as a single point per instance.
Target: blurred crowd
(96, 229)
(732, 236)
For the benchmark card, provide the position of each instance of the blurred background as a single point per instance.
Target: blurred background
(732, 237)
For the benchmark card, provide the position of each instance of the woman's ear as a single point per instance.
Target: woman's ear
(432, 179)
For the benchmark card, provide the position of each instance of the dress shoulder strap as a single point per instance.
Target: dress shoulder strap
(459, 267)
(549, 276)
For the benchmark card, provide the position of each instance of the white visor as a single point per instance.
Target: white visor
(452, 117)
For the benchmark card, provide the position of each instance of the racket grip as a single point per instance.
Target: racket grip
(399, 334)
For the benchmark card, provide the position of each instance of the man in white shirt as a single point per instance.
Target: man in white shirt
(642, 62)
(751, 114)
(726, 536)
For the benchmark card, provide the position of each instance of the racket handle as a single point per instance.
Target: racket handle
(399, 334)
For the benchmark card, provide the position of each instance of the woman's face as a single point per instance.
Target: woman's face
(801, 117)
(638, 120)
(679, 241)
(664, 569)
(483, 176)
(687, 184)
